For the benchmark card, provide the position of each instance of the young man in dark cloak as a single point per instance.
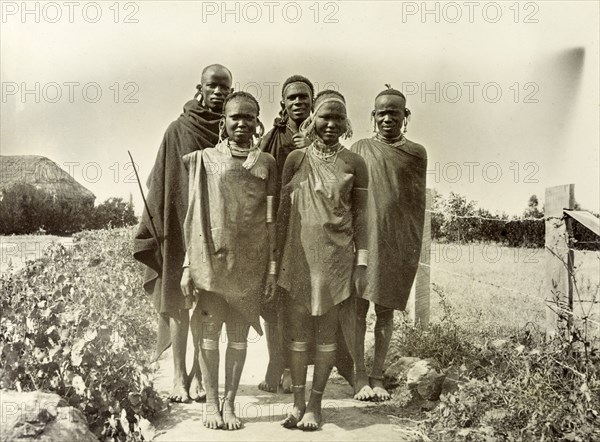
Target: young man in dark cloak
(297, 95)
(163, 251)
(395, 211)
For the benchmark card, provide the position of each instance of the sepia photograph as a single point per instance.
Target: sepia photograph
(300, 220)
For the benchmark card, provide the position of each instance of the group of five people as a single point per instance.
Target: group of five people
(290, 226)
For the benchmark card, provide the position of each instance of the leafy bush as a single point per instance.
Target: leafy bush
(27, 209)
(114, 212)
(77, 323)
(515, 389)
(457, 219)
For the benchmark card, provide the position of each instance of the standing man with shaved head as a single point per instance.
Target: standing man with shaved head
(395, 211)
(297, 95)
(196, 128)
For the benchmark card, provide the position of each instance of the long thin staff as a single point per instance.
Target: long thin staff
(146, 205)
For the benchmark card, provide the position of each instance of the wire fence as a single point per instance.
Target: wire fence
(552, 304)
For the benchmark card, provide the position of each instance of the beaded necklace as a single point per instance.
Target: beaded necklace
(324, 152)
(400, 138)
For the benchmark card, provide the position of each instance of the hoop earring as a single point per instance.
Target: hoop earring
(349, 131)
(406, 119)
(260, 132)
(221, 129)
(199, 92)
(282, 112)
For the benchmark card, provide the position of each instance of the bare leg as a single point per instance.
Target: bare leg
(298, 368)
(324, 361)
(300, 328)
(362, 389)
(179, 332)
(384, 326)
(275, 367)
(196, 390)
(327, 326)
(286, 377)
(286, 380)
(234, 364)
(343, 358)
(211, 313)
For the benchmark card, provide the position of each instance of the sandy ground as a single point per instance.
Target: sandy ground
(344, 418)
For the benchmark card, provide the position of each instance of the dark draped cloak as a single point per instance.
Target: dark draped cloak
(396, 211)
(167, 197)
(279, 143)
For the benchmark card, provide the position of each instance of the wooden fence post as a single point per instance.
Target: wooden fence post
(419, 300)
(559, 259)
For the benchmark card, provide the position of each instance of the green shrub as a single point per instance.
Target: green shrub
(519, 388)
(114, 212)
(522, 392)
(78, 323)
(26, 209)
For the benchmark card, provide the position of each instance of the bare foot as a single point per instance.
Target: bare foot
(179, 393)
(230, 420)
(267, 387)
(311, 420)
(197, 392)
(286, 381)
(381, 394)
(212, 416)
(271, 379)
(362, 390)
(293, 418)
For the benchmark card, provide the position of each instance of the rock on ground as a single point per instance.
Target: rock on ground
(37, 416)
(424, 379)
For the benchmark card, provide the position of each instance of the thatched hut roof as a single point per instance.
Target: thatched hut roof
(42, 173)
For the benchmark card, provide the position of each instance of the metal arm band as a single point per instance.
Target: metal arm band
(362, 257)
(270, 216)
(272, 267)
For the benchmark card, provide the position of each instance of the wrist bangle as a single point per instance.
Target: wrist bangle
(272, 268)
(362, 257)
(270, 217)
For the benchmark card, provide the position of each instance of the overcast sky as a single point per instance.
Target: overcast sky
(505, 96)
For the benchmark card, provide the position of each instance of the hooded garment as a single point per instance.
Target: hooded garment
(226, 227)
(167, 197)
(395, 216)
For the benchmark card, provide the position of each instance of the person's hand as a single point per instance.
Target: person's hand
(359, 279)
(187, 284)
(300, 141)
(270, 289)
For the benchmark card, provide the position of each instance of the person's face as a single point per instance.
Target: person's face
(297, 101)
(240, 120)
(216, 85)
(389, 115)
(330, 122)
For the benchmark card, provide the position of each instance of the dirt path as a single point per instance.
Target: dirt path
(344, 418)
